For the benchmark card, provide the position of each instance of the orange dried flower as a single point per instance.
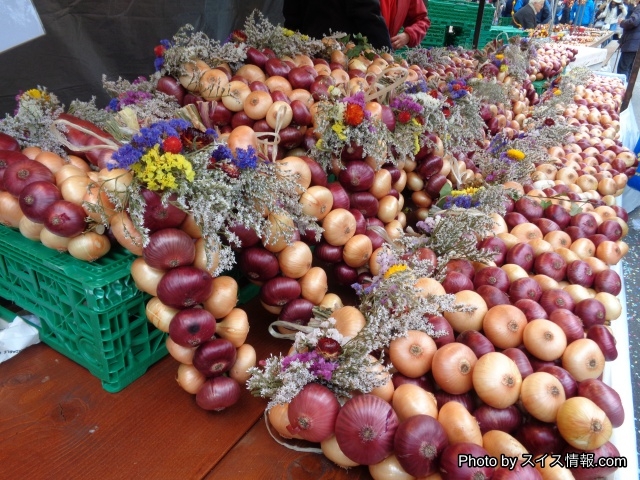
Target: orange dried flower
(353, 115)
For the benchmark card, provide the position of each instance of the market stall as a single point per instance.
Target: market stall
(430, 240)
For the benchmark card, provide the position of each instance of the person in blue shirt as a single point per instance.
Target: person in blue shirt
(583, 13)
(543, 16)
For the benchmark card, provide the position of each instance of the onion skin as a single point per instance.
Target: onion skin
(218, 393)
(18, 175)
(169, 248)
(607, 450)
(605, 340)
(539, 437)
(313, 412)
(365, 429)
(184, 287)
(583, 424)
(418, 443)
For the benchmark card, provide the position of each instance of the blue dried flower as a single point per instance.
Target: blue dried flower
(221, 152)
(114, 105)
(246, 158)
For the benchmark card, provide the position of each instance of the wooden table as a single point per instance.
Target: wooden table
(56, 421)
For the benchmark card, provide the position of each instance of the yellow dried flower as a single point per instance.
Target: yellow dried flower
(504, 68)
(514, 154)
(339, 127)
(557, 92)
(393, 269)
(287, 32)
(499, 56)
(159, 172)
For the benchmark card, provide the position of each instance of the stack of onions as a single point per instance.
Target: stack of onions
(206, 331)
(41, 194)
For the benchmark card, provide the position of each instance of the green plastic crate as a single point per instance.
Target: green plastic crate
(91, 313)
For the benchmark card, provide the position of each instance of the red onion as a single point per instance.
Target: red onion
(555, 298)
(340, 196)
(466, 461)
(611, 229)
(579, 272)
(546, 225)
(8, 143)
(64, 218)
(344, 274)
(540, 438)
(517, 473)
(493, 296)
(476, 341)
(514, 218)
(376, 240)
(365, 202)
(494, 276)
(361, 221)
(156, 215)
(504, 419)
(298, 310)
(565, 378)
(464, 399)
(496, 246)
(8, 157)
(591, 311)
(18, 175)
(454, 282)
(621, 212)
(558, 214)
(313, 413)
(586, 222)
(521, 360)
(461, 265)
(258, 264)
(597, 239)
(169, 248)
(184, 287)
(425, 381)
(605, 340)
(192, 326)
(575, 232)
(418, 444)
(440, 324)
(365, 429)
(607, 451)
(608, 281)
(531, 309)
(529, 208)
(357, 176)
(435, 184)
(328, 253)
(214, 357)
(218, 393)
(525, 288)
(247, 236)
(318, 175)
(36, 197)
(521, 254)
(605, 397)
(278, 291)
(551, 264)
(429, 166)
(570, 323)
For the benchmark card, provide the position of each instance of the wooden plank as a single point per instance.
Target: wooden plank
(56, 421)
(258, 455)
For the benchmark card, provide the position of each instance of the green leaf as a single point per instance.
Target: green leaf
(575, 209)
(545, 203)
(445, 190)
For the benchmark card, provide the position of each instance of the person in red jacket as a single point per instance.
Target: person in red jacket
(411, 15)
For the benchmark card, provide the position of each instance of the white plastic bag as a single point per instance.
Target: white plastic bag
(15, 337)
